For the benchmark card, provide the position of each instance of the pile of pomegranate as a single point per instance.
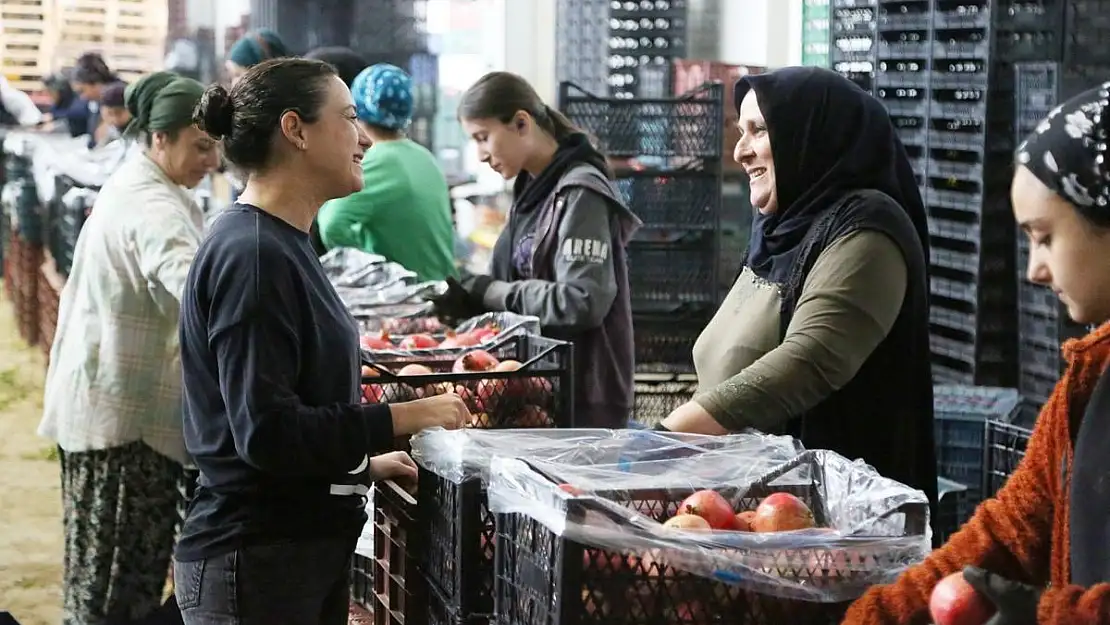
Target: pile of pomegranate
(512, 401)
(452, 339)
(708, 510)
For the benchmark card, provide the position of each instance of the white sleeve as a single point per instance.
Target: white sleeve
(19, 104)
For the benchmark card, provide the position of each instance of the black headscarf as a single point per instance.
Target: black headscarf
(1068, 152)
(828, 139)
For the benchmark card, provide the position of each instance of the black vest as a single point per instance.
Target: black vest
(884, 415)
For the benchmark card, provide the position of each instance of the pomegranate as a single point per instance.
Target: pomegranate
(711, 506)
(508, 365)
(573, 490)
(476, 360)
(459, 339)
(532, 417)
(743, 521)
(376, 342)
(782, 512)
(955, 602)
(418, 341)
(485, 334)
(688, 522)
(414, 369)
(370, 372)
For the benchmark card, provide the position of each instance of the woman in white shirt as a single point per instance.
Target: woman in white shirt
(17, 105)
(113, 388)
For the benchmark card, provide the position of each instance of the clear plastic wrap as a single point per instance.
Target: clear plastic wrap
(343, 265)
(499, 324)
(458, 455)
(397, 290)
(870, 528)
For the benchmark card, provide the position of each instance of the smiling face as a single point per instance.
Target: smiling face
(332, 146)
(504, 147)
(1067, 252)
(753, 153)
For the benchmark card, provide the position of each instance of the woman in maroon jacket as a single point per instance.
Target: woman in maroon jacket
(1040, 548)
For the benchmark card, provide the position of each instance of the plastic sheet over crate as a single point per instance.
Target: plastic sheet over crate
(953, 510)
(453, 510)
(604, 544)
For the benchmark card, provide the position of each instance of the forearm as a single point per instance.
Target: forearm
(1075, 605)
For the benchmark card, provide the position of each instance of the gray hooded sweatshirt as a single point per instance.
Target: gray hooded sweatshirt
(566, 262)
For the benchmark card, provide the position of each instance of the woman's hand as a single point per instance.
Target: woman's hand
(447, 411)
(395, 465)
(692, 419)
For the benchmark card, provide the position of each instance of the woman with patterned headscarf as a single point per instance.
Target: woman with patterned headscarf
(1039, 550)
(251, 49)
(113, 388)
(403, 211)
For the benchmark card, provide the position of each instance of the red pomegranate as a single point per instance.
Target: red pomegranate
(376, 342)
(475, 360)
(414, 369)
(782, 512)
(419, 341)
(687, 522)
(955, 602)
(711, 506)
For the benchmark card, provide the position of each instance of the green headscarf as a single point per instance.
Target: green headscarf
(257, 46)
(161, 101)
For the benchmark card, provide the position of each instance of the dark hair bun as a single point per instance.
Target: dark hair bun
(214, 112)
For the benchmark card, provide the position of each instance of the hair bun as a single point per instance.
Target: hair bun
(214, 112)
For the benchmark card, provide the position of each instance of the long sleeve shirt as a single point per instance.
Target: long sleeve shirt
(115, 368)
(1022, 533)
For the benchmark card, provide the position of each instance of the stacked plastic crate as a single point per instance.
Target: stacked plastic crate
(815, 33)
(853, 41)
(424, 69)
(901, 83)
(666, 153)
(621, 49)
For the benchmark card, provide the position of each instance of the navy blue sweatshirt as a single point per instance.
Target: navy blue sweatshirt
(271, 366)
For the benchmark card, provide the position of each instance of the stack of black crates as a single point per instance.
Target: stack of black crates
(853, 40)
(620, 48)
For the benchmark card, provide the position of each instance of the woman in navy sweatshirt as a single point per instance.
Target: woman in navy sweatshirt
(271, 365)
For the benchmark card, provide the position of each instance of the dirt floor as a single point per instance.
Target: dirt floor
(30, 499)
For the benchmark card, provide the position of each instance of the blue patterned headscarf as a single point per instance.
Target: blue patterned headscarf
(383, 96)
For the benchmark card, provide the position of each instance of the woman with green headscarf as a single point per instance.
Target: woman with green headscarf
(113, 386)
(251, 49)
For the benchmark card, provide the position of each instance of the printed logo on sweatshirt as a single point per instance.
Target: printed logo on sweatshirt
(585, 251)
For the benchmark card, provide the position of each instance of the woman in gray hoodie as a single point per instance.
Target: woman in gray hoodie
(562, 255)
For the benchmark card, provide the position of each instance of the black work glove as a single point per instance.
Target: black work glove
(462, 300)
(659, 427)
(1016, 602)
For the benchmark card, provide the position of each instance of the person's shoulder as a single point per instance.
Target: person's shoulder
(242, 239)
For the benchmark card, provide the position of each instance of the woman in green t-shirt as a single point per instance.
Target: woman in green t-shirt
(404, 210)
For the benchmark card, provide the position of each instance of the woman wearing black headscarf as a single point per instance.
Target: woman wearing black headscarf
(1039, 549)
(825, 333)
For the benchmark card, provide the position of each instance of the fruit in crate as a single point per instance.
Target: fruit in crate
(782, 512)
(381, 341)
(571, 489)
(462, 339)
(486, 334)
(533, 417)
(955, 602)
(370, 372)
(414, 369)
(711, 506)
(687, 521)
(419, 341)
(475, 361)
(743, 522)
(373, 393)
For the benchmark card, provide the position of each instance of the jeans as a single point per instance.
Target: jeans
(295, 583)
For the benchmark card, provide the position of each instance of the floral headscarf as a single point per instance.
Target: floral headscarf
(1068, 150)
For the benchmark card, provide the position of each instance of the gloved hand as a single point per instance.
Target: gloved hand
(462, 300)
(1016, 602)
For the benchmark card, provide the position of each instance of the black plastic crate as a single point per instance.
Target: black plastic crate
(665, 339)
(680, 269)
(458, 532)
(1003, 449)
(1087, 28)
(658, 394)
(1036, 88)
(21, 199)
(539, 394)
(675, 200)
(66, 216)
(854, 41)
(389, 585)
(953, 510)
(960, 414)
(544, 579)
(686, 127)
